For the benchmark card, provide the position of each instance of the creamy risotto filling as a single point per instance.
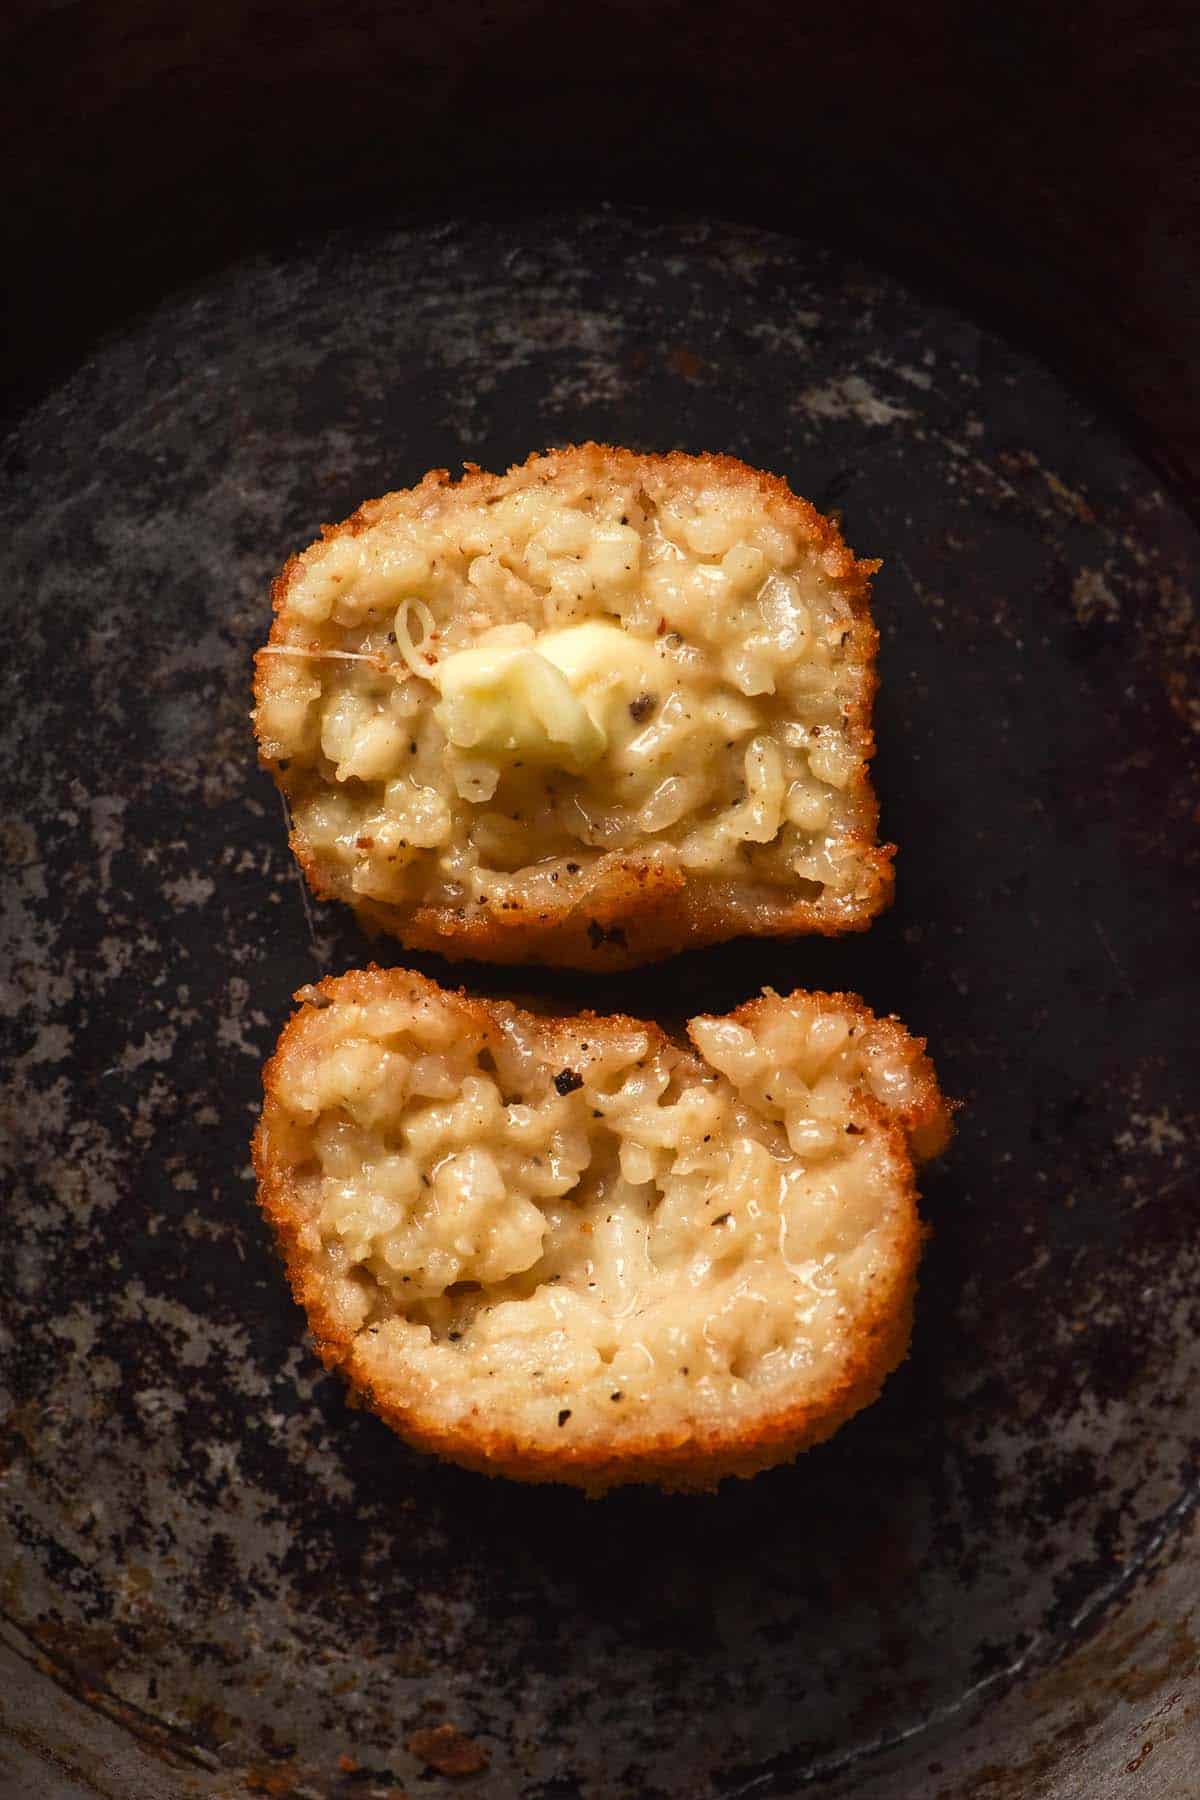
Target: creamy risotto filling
(523, 1222)
(478, 703)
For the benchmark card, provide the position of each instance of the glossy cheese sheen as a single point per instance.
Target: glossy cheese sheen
(558, 700)
(635, 716)
(503, 1218)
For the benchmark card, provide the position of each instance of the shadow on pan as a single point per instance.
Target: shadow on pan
(269, 1588)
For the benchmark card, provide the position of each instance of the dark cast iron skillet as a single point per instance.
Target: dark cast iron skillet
(275, 262)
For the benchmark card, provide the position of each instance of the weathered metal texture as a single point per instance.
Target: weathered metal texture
(204, 1542)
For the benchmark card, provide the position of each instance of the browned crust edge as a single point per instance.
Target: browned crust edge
(633, 913)
(678, 1461)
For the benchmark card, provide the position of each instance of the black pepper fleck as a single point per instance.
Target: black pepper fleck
(642, 707)
(567, 1080)
(564, 1415)
(597, 935)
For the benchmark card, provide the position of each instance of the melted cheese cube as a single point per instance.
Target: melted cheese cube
(605, 665)
(516, 706)
(557, 701)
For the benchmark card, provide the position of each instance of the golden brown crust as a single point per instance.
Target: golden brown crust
(632, 912)
(927, 1119)
(678, 1460)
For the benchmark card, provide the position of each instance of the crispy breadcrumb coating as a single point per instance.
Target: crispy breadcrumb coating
(574, 1249)
(691, 768)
